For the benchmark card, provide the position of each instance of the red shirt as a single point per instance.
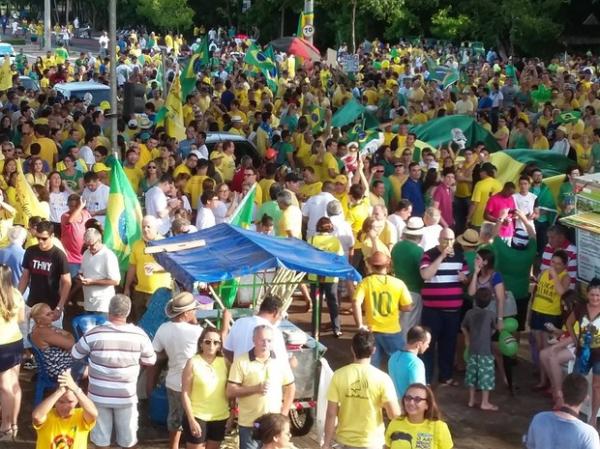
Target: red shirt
(72, 235)
(494, 207)
(444, 197)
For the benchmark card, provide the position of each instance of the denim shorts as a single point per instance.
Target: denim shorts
(538, 320)
(585, 369)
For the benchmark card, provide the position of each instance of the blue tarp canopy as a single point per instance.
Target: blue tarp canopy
(231, 251)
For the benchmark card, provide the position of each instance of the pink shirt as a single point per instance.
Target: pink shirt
(72, 235)
(443, 196)
(494, 207)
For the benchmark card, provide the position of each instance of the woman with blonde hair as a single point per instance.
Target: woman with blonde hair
(12, 312)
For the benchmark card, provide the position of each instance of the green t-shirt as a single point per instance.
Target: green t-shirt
(546, 203)
(406, 260)
(515, 265)
(271, 208)
(283, 149)
(72, 181)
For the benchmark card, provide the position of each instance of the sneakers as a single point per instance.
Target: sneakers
(337, 334)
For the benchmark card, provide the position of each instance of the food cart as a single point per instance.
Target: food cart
(224, 252)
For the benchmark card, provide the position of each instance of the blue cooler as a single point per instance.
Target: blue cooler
(159, 405)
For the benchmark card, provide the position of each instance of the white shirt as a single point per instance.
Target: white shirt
(315, 208)
(87, 155)
(220, 212)
(431, 236)
(203, 152)
(343, 231)
(561, 147)
(524, 203)
(103, 41)
(398, 223)
(239, 340)
(58, 205)
(205, 218)
(102, 265)
(96, 200)
(156, 202)
(180, 343)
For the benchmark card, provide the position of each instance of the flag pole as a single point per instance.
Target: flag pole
(112, 25)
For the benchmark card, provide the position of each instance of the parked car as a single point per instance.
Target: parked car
(78, 89)
(29, 83)
(7, 49)
(243, 146)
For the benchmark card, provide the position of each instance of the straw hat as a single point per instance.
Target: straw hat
(180, 303)
(414, 226)
(469, 238)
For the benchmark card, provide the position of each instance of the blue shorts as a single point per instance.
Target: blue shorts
(10, 355)
(585, 369)
(538, 320)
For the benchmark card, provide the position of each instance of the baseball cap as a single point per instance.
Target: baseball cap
(292, 177)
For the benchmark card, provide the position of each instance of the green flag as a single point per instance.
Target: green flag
(123, 225)
(347, 113)
(242, 217)
(568, 117)
(444, 75)
(244, 213)
(161, 115)
(200, 58)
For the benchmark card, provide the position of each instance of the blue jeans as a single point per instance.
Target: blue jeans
(386, 344)
(246, 440)
(329, 289)
(444, 325)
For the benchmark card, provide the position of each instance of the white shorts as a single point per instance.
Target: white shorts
(125, 422)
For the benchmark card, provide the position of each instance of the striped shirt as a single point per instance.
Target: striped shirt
(443, 290)
(115, 353)
(571, 266)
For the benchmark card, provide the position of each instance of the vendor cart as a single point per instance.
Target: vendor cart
(224, 252)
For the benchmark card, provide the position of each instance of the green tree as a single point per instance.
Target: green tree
(167, 14)
(452, 27)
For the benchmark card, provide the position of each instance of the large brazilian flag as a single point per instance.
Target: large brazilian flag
(123, 226)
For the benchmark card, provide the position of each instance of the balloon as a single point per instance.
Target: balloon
(509, 346)
(385, 64)
(377, 65)
(510, 325)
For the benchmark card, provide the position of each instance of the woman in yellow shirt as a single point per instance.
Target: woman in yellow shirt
(370, 241)
(546, 307)
(326, 241)
(36, 173)
(540, 142)
(12, 312)
(10, 167)
(583, 150)
(203, 385)
(420, 421)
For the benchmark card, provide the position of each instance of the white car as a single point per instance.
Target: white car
(7, 49)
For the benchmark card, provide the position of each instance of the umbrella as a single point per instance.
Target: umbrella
(296, 46)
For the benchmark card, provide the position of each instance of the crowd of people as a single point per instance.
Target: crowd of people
(448, 253)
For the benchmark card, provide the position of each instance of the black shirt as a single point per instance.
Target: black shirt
(45, 269)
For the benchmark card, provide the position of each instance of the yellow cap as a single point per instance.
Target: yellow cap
(100, 166)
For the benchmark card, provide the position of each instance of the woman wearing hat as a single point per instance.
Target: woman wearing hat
(203, 386)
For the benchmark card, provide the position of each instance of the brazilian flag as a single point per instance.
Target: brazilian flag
(265, 62)
(568, 117)
(316, 118)
(123, 226)
(200, 58)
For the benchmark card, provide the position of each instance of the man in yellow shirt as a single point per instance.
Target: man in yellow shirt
(290, 222)
(134, 174)
(59, 422)
(261, 383)
(144, 271)
(384, 298)
(48, 150)
(483, 190)
(356, 395)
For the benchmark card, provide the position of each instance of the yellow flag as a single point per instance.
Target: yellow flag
(5, 75)
(27, 204)
(174, 119)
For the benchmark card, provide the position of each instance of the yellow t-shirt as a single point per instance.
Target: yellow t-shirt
(464, 189)
(208, 398)
(290, 220)
(48, 150)
(135, 176)
(181, 168)
(265, 184)
(360, 390)
(356, 215)
(57, 432)
(9, 330)
(540, 143)
(246, 372)
(145, 283)
(227, 167)
(308, 190)
(547, 299)
(382, 296)
(329, 243)
(482, 192)
(193, 189)
(426, 435)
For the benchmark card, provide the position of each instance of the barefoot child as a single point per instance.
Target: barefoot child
(478, 326)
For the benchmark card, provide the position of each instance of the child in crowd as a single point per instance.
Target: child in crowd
(478, 326)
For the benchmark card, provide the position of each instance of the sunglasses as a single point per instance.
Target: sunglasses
(212, 342)
(43, 239)
(415, 399)
(151, 168)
